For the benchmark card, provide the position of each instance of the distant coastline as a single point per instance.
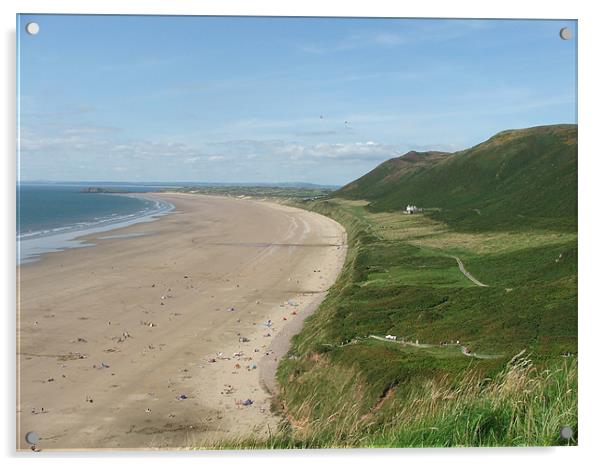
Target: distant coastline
(97, 190)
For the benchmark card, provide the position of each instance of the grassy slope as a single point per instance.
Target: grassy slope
(339, 387)
(517, 179)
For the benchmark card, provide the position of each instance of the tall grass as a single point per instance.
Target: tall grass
(521, 406)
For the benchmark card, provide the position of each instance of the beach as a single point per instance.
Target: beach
(167, 334)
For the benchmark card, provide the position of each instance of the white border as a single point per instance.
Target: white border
(375, 8)
(590, 172)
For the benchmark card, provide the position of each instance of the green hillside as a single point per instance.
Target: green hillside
(484, 361)
(382, 180)
(517, 179)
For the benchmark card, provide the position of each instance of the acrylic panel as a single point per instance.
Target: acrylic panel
(281, 232)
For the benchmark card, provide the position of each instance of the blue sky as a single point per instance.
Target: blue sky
(126, 98)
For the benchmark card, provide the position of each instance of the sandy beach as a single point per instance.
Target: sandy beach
(157, 335)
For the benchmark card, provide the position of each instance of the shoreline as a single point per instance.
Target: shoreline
(264, 271)
(38, 246)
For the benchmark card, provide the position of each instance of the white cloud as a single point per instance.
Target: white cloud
(91, 129)
(401, 32)
(369, 150)
(356, 41)
(99, 146)
(385, 38)
(88, 152)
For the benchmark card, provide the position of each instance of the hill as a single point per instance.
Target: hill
(515, 180)
(453, 328)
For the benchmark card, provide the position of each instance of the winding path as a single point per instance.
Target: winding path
(467, 273)
(463, 349)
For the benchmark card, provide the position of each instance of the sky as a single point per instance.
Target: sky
(248, 99)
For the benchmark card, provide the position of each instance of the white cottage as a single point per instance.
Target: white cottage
(412, 209)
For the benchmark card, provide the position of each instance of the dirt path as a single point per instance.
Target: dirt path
(463, 349)
(403, 342)
(467, 273)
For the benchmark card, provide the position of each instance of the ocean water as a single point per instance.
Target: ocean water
(51, 216)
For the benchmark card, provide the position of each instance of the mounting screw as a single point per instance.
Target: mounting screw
(32, 28)
(566, 34)
(566, 433)
(32, 438)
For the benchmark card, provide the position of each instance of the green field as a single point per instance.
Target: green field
(400, 280)
(278, 193)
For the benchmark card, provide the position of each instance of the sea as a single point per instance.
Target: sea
(51, 216)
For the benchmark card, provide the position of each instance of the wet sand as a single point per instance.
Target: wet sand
(110, 337)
